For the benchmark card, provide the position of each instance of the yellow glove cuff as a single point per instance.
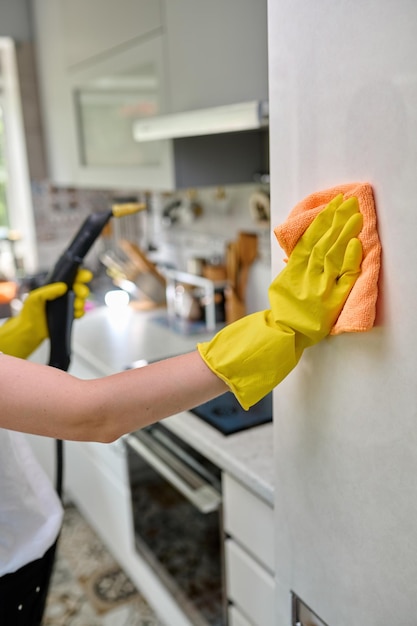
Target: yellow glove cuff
(252, 356)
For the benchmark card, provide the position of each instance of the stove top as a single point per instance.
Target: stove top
(226, 414)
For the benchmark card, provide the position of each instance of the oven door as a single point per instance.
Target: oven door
(177, 519)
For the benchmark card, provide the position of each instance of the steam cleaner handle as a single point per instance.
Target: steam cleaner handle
(60, 312)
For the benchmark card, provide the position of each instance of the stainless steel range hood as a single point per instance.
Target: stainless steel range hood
(215, 120)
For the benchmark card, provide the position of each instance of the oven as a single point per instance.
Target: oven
(177, 518)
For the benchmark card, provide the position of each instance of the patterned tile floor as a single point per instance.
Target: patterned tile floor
(88, 587)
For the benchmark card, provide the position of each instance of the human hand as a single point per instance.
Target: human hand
(309, 294)
(21, 335)
(81, 291)
(255, 353)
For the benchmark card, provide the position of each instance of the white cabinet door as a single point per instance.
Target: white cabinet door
(217, 52)
(106, 99)
(236, 618)
(44, 449)
(250, 521)
(249, 555)
(96, 27)
(249, 586)
(88, 109)
(101, 496)
(54, 97)
(102, 64)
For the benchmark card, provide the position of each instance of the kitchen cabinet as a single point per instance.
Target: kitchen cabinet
(95, 469)
(89, 108)
(119, 26)
(106, 98)
(249, 554)
(146, 58)
(216, 52)
(249, 586)
(236, 618)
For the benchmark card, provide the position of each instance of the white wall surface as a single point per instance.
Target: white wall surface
(343, 97)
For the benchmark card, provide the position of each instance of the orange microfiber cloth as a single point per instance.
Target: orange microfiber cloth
(358, 314)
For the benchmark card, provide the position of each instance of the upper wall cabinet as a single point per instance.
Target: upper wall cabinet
(95, 27)
(106, 99)
(217, 52)
(104, 64)
(94, 84)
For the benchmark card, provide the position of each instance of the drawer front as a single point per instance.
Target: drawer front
(236, 618)
(250, 521)
(249, 586)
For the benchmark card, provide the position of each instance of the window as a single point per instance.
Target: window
(3, 174)
(16, 210)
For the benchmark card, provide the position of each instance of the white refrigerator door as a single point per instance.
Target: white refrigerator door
(343, 108)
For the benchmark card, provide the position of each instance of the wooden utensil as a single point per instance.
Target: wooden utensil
(234, 307)
(231, 263)
(247, 245)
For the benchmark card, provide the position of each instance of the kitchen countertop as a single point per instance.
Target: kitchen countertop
(107, 341)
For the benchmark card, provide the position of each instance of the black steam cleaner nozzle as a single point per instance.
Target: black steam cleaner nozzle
(60, 312)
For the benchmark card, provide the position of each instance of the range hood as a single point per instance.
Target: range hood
(230, 118)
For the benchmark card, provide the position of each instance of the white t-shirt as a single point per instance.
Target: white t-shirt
(30, 510)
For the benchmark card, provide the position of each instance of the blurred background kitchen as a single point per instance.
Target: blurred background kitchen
(165, 105)
(152, 106)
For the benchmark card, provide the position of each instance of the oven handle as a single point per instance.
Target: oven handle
(204, 498)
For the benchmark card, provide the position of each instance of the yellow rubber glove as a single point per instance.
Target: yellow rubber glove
(21, 335)
(255, 353)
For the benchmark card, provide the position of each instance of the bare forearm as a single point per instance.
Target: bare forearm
(45, 401)
(155, 391)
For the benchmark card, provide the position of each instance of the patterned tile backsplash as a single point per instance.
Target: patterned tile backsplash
(58, 214)
(201, 224)
(175, 228)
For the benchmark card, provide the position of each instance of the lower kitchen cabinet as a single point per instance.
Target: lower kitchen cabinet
(249, 520)
(96, 481)
(236, 618)
(249, 555)
(249, 585)
(95, 485)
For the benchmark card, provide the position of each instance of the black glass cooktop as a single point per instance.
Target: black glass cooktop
(226, 414)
